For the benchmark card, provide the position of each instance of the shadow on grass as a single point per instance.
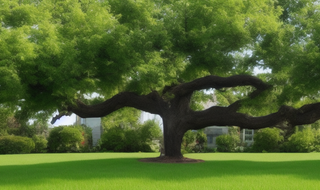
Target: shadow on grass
(108, 169)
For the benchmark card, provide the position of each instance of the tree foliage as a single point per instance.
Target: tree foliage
(59, 51)
(5, 116)
(126, 117)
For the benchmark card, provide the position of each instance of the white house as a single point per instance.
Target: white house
(95, 125)
(246, 135)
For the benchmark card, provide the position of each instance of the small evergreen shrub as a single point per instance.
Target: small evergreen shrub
(194, 141)
(16, 145)
(65, 139)
(188, 141)
(131, 139)
(267, 140)
(71, 139)
(227, 143)
(54, 139)
(302, 141)
(40, 143)
(118, 140)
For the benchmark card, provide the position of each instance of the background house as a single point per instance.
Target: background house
(94, 124)
(246, 135)
(212, 133)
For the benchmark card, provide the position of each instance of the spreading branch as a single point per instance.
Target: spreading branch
(149, 103)
(224, 116)
(220, 116)
(220, 82)
(153, 103)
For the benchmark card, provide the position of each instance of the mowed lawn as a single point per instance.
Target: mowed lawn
(124, 171)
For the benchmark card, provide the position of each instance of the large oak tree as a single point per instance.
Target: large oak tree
(154, 55)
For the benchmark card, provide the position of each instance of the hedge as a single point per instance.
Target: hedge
(16, 145)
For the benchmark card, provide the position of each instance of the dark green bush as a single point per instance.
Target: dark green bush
(201, 141)
(64, 139)
(134, 139)
(193, 141)
(71, 138)
(227, 142)
(113, 139)
(54, 139)
(188, 141)
(16, 145)
(302, 141)
(118, 140)
(267, 139)
(40, 143)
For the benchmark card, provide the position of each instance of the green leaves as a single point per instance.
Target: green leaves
(54, 53)
(10, 88)
(291, 52)
(267, 139)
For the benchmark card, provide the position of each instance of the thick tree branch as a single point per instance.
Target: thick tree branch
(149, 103)
(307, 114)
(220, 82)
(224, 116)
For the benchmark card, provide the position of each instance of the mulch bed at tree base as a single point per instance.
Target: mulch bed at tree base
(167, 159)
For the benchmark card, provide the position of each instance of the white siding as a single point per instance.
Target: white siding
(95, 125)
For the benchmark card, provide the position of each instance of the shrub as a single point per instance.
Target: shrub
(193, 141)
(149, 131)
(316, 133)
(201, 137)
(134, 139)
(16, 145)
(54, 139)
(86, 144)
(71, 139)
(113, 139)
(227, 142)
(40, 143)
(201, 141)
(188, 140)
(302, 141)
(118, 140)
(267, 139)
(64, 139)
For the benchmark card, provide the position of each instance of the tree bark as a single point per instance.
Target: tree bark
(172, 138)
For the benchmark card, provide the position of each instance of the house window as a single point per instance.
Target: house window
(82, 121)
(248, 134)
(248, 138)
(210, 139)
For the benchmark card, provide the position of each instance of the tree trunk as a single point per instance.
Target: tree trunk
(173, 131)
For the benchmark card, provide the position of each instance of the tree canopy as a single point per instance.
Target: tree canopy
(154, 54)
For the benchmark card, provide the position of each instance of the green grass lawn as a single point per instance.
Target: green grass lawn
(124, 171)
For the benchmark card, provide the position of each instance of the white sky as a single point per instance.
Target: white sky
(65, 120)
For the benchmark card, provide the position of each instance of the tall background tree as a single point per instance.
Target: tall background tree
(154, 56)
